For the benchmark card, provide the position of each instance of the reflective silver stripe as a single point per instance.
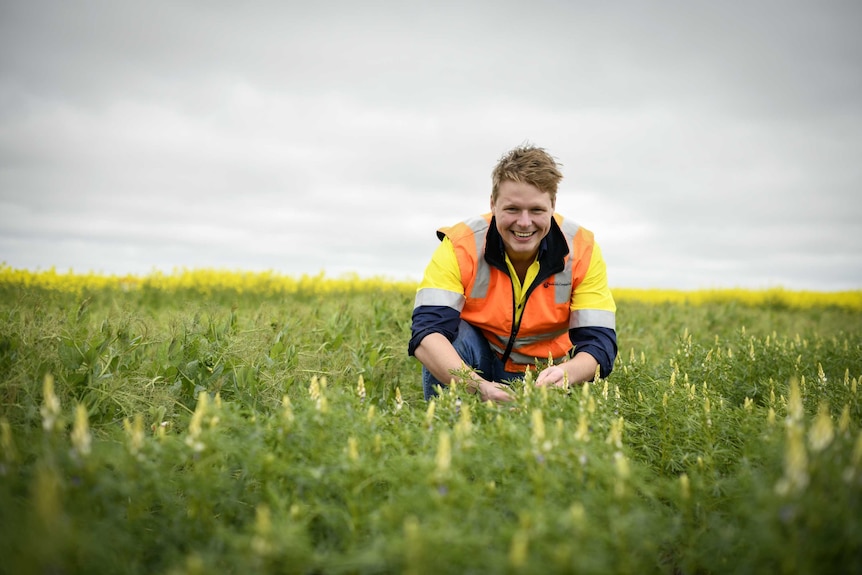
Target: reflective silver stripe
(569, 229)
(563, 280)
(479, 225)
(592, 318)
(563, 284)
(521, 358)
(522, 341)
(435, 296)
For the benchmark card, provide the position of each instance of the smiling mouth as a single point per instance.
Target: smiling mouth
(523, 234)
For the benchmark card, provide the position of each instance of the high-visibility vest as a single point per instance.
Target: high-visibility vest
(490, 302)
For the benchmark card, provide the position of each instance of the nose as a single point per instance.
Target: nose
(524, 219)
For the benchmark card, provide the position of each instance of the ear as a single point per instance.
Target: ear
(492, 202)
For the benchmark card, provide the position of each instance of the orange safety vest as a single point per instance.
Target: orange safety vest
(490, 300)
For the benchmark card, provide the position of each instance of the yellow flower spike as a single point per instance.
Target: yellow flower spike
(770, 417)
(429, 413)
(443, 459)
(857, 451)
(538, 426)
(378, 444)
(464, 427)
(822, 432)
(360, 388)
(370, 415)
(615, 436)
(605, 390)
(399, 401)
(821, 375)
(795, 477)
(844, 422)
(591, 405)
(260, 543)
(621, 465)
(323, 404)
(664, 400)
(519, 548)
(314, 388)
(135, 431)
(583, 431)
(286, 409)
(795, 410)
(196, 424)
(529, 377)
(550, 359)
(50, 409)
(413, 546)
(7, 443)
(352, 449)
(684, 486)
(218, 400)
(81, 438)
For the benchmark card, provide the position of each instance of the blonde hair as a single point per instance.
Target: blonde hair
(528, 164)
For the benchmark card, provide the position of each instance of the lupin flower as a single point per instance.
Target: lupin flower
(615, 437)
(538, 426)
(583, 431)
(81, 438)
(50, 409)
(429, 413)
(352, 449)
(822, 432)
(196, 424)
(684, 486)
(443, 459)
(10, 454)
(287, 409)
(795, 477)
(260, 543)
(519, 548)
(135, 431)
(360, 388)
(465, 424)
(621, 465)
(399, 401)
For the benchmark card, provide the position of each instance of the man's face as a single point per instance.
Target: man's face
(523, 214)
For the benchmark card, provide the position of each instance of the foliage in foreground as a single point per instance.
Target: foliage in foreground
(147, 431)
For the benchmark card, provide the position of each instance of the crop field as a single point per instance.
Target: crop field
(229, 422)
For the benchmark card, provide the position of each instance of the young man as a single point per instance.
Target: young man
(512, 286)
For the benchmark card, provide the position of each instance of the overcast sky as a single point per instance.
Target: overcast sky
(706, 144)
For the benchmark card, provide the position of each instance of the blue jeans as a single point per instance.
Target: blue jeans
(473, 348)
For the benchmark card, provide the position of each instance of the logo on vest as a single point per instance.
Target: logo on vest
(549, 284)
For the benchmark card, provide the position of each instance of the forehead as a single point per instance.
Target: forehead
(521, 194)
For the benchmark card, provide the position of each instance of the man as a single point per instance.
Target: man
(510, 287)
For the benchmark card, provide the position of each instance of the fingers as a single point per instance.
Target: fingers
(551, 376)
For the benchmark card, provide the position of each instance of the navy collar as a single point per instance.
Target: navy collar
(553, 250)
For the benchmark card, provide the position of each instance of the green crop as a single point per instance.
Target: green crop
(240, 431)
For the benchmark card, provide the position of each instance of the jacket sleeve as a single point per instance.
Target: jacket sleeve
(439, 299)
(599, 342)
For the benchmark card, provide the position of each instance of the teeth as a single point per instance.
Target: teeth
(523, 234)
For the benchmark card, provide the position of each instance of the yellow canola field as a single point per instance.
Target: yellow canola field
(207, 281)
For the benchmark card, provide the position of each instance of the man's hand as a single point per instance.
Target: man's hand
(493, 391)
(554, 375)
